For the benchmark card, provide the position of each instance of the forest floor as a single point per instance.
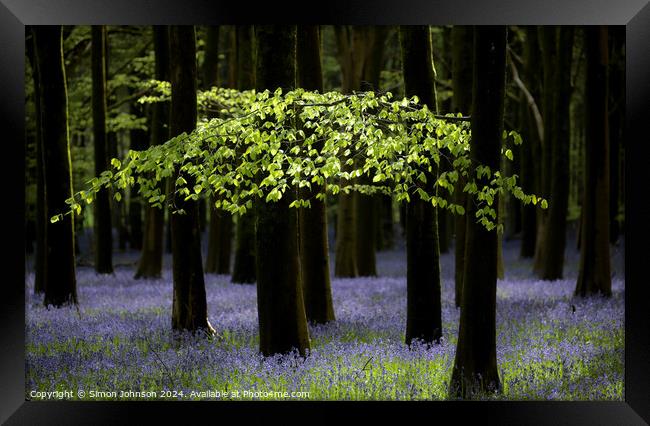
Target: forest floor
(549, 345)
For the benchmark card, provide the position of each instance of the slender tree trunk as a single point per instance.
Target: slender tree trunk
(102, 211)
(281, 310)
(60, 279)
(616, 127)
(244, 270)
(462, 63)
(594, 275)
(189, 307)
(350, 45)
(41, 218)
(220, 233)
(365, 204)
(150, 264)
(555, 244)
(139, 142)
(530, 146)
(314, 251)
(475, 365)
(442, 71)
(423, 315)
(548, 43)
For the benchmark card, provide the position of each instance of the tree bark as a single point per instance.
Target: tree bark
(139, 142)
(366, 205)
(423, 314)
(102, 206)
(475, 365)
(594, 276)
(360, 52)
(616, 127)
(220, 231)
(60, 280)
(548, 43)
(462, 63)
(281, 310)
(530, 146)
(555, 240)
(314, 249)
(150, 264)
(244, 267)
(41, 218)
(189, 308)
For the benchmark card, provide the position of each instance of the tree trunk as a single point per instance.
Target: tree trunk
(150, 264)
(548, 43)
(220, 233)
(366, 205)
(346, 238)
(616, 127)
(102, 211)
(423, 314)
(475, 365)
(314, 250)
(530, 146)
(60, 280)
(555, 240)
(386, 233)
(139, 142)
(462, 42)
(189, 308)
(441, 50)
(281, 311)
(211, 58)
(594, 275)
(41, 218)
(244, 267)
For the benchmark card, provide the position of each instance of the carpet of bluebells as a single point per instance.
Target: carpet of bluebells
(549, 345)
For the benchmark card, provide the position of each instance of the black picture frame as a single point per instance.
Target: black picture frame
(634, 14)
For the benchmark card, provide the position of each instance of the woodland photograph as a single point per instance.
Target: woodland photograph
(324, 212)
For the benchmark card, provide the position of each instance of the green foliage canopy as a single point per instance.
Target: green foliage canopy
(262, 144)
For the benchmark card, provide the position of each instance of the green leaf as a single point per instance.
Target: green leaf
(117, 196)
(544, 204)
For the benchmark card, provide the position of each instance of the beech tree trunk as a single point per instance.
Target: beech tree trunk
(102, 206)
(220, 232)
(548, 43)
(41, 218)
(462, 63)
(475, 365)
(594, 276)
(281, 310)
(150, 263)
(360, 52)
(531, 145)
(616, 128)
(60, 280)
(555, 239)
(189, 308)
(314, 249)
(244, 268)
(423, 312)
(139, 142)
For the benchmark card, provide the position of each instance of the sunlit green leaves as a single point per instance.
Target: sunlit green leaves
(261, 144)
